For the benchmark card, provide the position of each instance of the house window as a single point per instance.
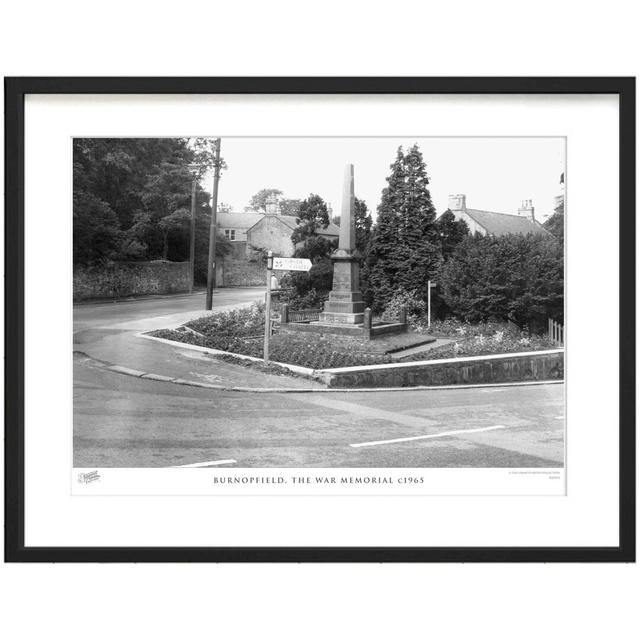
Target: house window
(230, 234)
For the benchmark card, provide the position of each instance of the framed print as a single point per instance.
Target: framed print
(320, 319)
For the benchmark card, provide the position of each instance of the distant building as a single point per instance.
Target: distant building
(496, 224)
(269, 230)
(273, 232)
(251, 231)
(234, 225)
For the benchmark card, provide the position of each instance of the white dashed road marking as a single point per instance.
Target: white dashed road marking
(212, 463)
(442, 434)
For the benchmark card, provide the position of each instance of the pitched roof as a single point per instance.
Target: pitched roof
(231, 220)
(501, 224)
(331, 230)
(292, 223)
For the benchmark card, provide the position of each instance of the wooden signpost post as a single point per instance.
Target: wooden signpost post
(278, 264)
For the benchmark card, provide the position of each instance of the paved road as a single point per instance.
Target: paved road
(121, 421)
(146, 311)
(110, 332)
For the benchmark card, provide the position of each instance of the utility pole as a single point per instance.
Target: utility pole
(211, 265)
(192, 242)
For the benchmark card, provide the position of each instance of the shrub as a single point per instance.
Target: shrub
(303, 290)
(462, 329)
(483, 339)
(516, 277)
(415, 306)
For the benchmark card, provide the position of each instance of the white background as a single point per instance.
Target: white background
(587, 516)
(314, 601)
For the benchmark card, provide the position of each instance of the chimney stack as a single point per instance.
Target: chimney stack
(272, 207)
(527, 209)
(457, 202)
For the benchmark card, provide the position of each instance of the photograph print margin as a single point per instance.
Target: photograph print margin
(15, 91)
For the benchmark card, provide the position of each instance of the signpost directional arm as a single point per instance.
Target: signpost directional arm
(291, 264)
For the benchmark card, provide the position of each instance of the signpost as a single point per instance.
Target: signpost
(431, 284)
(291, 264)
(278, 264)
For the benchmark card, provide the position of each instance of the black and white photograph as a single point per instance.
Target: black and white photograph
(278, 326)
(343, 303)
(320, 320)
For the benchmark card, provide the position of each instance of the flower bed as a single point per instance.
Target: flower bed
(485, 338)
(241, 331)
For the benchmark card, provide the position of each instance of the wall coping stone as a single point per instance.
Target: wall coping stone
(404, 365)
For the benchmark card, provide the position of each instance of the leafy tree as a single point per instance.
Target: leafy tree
(289, 206)
(96, 231)
(316, 247)
(363, 225)
(116, 170)
(451, 232)
(509, 277)
(312, 288)
(179, 246)
(404, 250)
(554, 224)
(166, 205)
(132, 197)
(312, 215)
(258, 201)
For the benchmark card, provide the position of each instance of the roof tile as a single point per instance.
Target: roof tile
(501, 224)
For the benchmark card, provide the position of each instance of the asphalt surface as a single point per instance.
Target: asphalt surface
(111, 333)
(122, 421)
(144, 312)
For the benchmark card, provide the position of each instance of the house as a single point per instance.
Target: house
(234, 225)
(273, 232)
(269, 230)
(493, 223)
(250, 231)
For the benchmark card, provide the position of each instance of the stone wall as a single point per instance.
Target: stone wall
(516, 367)
(238, 250)
(122, 279)
(242, 273)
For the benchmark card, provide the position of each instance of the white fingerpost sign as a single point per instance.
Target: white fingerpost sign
(291, 264)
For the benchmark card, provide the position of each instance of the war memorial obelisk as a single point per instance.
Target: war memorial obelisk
(345, 305)
(345, 315)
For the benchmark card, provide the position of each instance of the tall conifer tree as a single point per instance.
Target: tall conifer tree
(404, 252)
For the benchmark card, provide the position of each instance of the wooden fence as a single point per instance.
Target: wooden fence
(556, 332)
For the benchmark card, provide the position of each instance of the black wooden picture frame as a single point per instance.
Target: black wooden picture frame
(15, 91)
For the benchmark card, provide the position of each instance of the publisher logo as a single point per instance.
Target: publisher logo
(89, 476)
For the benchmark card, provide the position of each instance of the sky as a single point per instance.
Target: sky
(495, 174)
